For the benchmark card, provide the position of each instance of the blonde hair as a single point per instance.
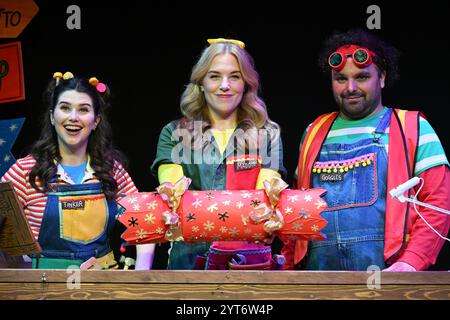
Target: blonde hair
(252, 111)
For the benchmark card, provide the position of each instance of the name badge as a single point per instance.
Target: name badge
(73, 205)
(331, 177)
(245, 164)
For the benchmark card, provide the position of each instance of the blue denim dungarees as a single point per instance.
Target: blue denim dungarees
(74, 233)
(356, 207)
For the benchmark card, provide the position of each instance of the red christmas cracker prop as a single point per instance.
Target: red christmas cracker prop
(173, 213)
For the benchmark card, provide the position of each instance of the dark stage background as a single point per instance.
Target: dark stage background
(144, 50)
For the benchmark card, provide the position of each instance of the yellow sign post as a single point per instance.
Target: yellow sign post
(15, 16)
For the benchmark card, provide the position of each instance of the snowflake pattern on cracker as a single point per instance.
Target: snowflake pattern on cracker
(223, 215)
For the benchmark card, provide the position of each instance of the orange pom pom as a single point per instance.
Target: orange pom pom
(57, 75)
(93, 81)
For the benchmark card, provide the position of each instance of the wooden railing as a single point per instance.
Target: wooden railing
(235, 285)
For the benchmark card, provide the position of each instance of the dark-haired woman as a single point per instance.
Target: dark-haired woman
(69, 184)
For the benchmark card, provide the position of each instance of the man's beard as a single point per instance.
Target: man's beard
(358, 109)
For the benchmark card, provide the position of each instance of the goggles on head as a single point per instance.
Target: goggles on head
(362, 57)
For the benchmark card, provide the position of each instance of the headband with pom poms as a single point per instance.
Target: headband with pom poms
(58, 76)
(100, 86)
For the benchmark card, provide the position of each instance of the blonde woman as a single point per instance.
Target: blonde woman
(224, 141)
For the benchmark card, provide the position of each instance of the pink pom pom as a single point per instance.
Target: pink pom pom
(101, 87)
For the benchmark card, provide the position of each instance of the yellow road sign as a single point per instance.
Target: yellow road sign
(15, 16)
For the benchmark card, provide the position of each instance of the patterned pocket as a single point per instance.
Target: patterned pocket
(344, 181)
(83, 219)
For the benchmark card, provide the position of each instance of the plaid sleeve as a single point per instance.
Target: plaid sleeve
(125, 184)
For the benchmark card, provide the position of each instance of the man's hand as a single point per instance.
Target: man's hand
(400, 266)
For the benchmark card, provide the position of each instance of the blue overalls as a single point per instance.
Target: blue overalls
(76, 223)
(356, 205)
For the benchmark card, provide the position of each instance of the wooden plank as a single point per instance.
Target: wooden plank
(133, 291)
(221, 285)
(228, 277)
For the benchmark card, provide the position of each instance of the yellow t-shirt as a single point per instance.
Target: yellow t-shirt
(222, 137)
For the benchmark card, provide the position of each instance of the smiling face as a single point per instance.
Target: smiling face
(358, 91)
(223, 87)
(74, 119)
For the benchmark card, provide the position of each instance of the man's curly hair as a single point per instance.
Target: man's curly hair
(388, 54)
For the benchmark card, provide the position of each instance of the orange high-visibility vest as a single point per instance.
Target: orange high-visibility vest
(403, 141)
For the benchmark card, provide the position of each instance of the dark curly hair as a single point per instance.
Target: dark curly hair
(100, 148)
(388, 54)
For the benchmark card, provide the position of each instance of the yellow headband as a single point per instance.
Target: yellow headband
(236, 42)
(93, 81)
(66, 76)
(58, 76)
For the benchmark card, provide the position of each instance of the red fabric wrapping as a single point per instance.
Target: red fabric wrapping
(222, 215)
(222, 253)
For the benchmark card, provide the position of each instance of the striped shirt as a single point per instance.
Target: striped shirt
(430, 152)
(33, 202)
